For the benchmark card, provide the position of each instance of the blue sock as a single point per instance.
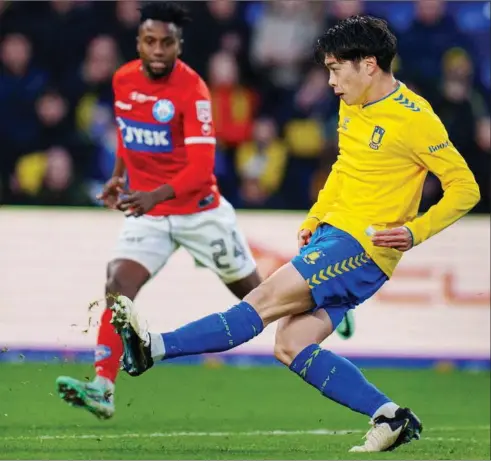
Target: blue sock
(214, 333)
(338, 379)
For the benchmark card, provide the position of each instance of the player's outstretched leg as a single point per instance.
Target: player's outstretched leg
(214, 333)
(284, 292)
(124, 276)
(136, 339)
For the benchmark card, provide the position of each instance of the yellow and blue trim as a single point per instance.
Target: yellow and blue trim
(338, 271)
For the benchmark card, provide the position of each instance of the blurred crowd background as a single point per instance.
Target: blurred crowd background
(276, 118)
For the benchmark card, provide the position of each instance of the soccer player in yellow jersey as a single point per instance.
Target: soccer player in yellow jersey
(364, 220)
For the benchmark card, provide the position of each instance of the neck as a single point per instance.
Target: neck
(382, 87)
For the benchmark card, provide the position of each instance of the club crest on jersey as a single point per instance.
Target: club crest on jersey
(377, 135)
(163, 111)
(313, 256)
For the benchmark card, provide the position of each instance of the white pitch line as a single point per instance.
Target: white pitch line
(241, 434)
(449, 439)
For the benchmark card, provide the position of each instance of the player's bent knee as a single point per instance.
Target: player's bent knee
(125, 278)
(286, 349)
(281, 353)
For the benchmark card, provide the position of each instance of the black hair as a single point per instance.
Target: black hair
(356, 38)
(165, 12)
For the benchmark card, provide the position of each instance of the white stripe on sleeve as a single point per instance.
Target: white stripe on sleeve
(200, 140)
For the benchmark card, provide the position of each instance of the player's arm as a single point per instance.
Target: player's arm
(434, 151)
(199, 138)
(114, 186)
(119, 170)
(326, 195)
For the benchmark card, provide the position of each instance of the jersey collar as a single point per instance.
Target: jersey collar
(398, 87)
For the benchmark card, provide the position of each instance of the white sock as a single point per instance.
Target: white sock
(387, 409)
(157, 347)
(104, 383)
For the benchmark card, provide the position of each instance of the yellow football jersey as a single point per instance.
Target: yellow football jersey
(386, 149)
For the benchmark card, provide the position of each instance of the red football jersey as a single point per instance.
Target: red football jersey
(166, 136)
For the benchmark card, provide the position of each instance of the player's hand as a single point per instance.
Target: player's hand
(304, 237)
(399, 238)
(138, 203)
(111, 191)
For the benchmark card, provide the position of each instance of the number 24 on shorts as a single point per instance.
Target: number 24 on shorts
(223, 253)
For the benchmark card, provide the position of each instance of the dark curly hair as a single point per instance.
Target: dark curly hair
(165, 12)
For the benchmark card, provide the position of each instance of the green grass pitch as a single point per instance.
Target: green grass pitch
(195, 412)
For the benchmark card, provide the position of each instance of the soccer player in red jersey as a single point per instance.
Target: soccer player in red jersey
(166, 151)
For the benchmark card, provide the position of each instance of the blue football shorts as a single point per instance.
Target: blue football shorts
(339, 272)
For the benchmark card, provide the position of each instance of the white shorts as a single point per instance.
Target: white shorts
(212, 237)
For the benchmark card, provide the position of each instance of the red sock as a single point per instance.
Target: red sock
(109, 349)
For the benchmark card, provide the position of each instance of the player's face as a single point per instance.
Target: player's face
(159, 45)
(349, 80)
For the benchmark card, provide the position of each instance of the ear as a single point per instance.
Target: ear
(370, 64)
(138, 44)
(179, 47)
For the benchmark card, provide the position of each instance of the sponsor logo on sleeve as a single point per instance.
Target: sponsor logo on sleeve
(438, 146)
(203, 111)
